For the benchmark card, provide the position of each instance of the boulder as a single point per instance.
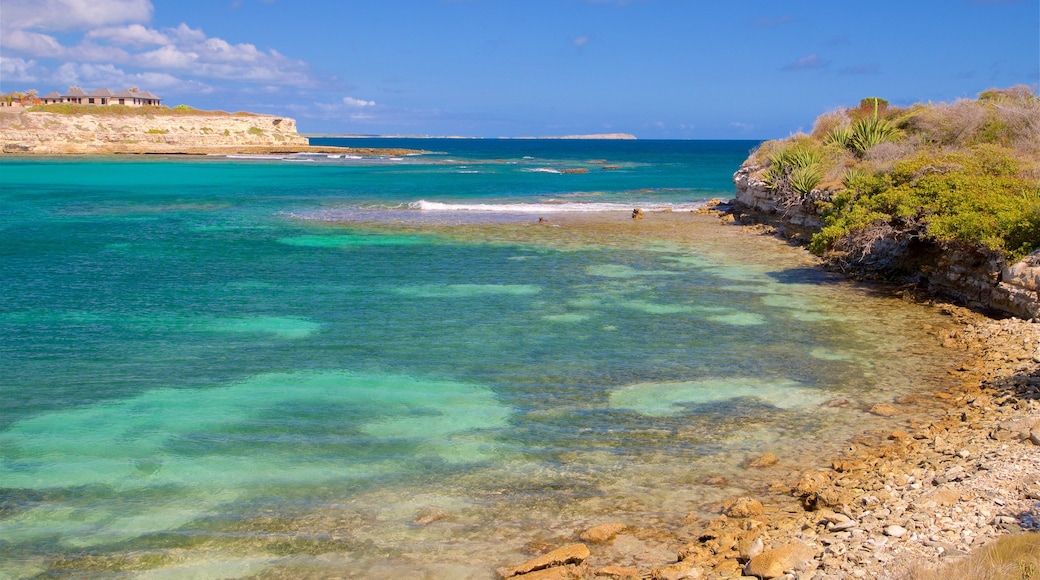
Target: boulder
(765, 460)
(603, 532)
(884, 410)
(776, 562)
(743, 507)
(678, 571)
(573, 554)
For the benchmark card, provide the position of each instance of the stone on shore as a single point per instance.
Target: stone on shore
(678, 571)
(619, 572)
(885, 410)
(764, 460)
(603, 532)
(776, 562)
(743, 507)
(573, 554)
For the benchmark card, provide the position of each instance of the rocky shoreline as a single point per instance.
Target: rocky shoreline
(959, 469)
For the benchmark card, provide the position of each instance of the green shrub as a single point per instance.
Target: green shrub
(158, 131)
(255, 131)
(973, 197)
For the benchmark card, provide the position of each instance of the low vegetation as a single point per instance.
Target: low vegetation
(1014, 557)
(126, 110)
(960, 173)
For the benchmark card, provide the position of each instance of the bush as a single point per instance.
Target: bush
(972, 197)
(797, 168)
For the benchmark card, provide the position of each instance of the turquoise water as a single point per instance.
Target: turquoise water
(222, 367)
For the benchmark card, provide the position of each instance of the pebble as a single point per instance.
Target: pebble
(895, 531)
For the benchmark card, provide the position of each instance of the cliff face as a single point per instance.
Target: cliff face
(52, 133)
(974, 276)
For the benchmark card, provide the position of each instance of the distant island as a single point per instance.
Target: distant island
(605, 136)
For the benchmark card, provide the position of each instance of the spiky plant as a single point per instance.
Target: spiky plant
(805, 179)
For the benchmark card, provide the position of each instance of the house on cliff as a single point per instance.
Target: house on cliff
(77, 96)
(129, 97)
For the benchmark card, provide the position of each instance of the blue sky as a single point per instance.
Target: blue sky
(673, 69)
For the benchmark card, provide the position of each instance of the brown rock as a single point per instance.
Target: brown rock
(884, 410)
(750, 546)
(569, 572)
(743, 507)
(812, 482)
(942, 497)
(695, 553)
(603, 532)
(775, 562)
(429, 515)
(573, 554)
(765, 460)
(619, 572)
(678, 571)
(715, 480)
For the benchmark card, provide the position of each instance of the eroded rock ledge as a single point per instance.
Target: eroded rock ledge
(38, 133)
(974, 276)
(55, 133)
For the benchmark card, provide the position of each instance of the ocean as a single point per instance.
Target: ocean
(423, 366)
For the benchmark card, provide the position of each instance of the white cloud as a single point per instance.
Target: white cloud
(580, 41)
(32, 43)
(17, 69)
(167, 57)
(107, 75)
(117, 47)
(134, 34)
(73, 14)
(352, 102)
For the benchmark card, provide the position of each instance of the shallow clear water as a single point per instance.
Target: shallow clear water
(219, 368)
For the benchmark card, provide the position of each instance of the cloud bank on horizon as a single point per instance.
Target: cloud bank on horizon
(657, 69)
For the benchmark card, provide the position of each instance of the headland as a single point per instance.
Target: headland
(92, 130)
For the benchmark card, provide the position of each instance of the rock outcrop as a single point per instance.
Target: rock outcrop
(974, 276)
(26, 132)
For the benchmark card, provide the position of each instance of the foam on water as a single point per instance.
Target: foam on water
(550, 207)
(663, 399)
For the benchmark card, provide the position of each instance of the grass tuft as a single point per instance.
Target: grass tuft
(1014, 557)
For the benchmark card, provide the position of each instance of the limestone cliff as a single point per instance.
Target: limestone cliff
(28, 132)
(975, 276)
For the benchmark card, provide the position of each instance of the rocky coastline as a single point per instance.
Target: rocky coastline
(972, 276)
(958, 472)
(24, 132)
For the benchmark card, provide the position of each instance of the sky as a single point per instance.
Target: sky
(657, 69)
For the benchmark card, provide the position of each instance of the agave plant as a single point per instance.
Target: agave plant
(805, 179)
(796, 168)
(869, 132)
(840, 135)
